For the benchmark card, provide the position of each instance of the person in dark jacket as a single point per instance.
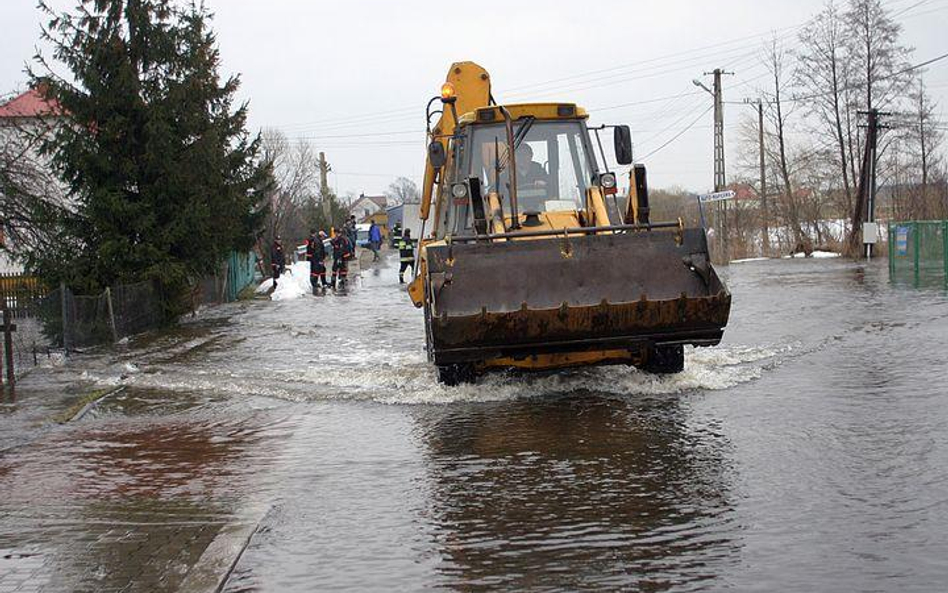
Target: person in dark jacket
(341, 252)
(406, 255)
(352, 234)
(277, 260)
(316, 255)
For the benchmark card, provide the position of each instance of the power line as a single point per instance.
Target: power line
(642, 62)
(641, 74)
(745, 56)
(694, 108)
(366, 174)
(672, 125)
(405, 113)
(418, 132)
(644, 102)
(679, 134)
(578, 78)
(859, 85)
(742, 57)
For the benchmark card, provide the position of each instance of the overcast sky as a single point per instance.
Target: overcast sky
(353, 77)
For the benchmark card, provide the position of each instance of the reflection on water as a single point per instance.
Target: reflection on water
(127, 503)
(572, 493)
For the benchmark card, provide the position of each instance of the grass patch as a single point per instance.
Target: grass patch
(82, 402)
(249, 292)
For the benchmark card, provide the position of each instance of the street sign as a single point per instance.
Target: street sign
(901, 240)
(719, 196)
(870, 233)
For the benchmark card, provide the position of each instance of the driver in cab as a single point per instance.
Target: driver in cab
(530, 174)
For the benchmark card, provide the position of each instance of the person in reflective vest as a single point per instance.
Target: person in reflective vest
(406, 255)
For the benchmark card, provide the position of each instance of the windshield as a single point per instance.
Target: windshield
(553, 169)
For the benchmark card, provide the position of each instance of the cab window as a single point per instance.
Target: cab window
(553, 168)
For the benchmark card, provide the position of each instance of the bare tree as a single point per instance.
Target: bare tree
(775, 59)
(403, 191)
(295, 183)
(879, 60)
(823, 73)
(33, 203)
(912, 164)
(880, 74)
(748, 220)
(926, 141)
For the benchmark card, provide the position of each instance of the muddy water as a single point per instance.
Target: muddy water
(808, 452)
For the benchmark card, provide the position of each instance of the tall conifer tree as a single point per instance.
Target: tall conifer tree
(161, 172)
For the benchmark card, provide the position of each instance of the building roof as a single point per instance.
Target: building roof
(380, 201)
(32, 103)
(743, 191)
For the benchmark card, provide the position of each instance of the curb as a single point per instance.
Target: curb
(215, 566)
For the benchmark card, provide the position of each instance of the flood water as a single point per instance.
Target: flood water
(809, 452)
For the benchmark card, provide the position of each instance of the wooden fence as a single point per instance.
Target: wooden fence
(21, 294)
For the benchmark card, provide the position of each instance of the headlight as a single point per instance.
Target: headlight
(459, 190)
(607, 180)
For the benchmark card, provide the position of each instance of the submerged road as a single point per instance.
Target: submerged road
(808, 452)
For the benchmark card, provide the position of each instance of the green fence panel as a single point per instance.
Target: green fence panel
(918, 252)
(902, 252)
(944, 249)
(240, 273)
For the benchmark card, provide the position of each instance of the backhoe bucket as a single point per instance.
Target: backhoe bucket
(608, 291)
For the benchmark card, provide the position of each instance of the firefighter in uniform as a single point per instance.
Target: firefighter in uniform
(277, 260)
(341, 252)
(406, 255)
(316, 255)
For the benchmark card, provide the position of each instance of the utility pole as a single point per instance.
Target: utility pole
(8, 329)
(324, 169)
(764, 210)
(865, 210)
(720, 177)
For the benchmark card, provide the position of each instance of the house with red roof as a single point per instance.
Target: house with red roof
(745, 196)
(29, 107)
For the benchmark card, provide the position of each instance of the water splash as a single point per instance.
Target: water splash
(407, 378)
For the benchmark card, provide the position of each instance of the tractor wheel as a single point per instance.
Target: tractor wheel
(456, 374)
(664, 360)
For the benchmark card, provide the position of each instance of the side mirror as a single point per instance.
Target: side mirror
(641, 194)
(436, 155)
(623, 144)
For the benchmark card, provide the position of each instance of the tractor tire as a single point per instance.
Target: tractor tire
(453, 375)
(664, 360)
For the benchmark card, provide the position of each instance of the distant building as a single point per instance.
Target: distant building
(364, 207)
(30, 107)
(24, 121)
(405, 216)
(745, 196)
(380, 218)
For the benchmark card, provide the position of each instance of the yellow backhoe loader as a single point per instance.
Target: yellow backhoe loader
(530, 261)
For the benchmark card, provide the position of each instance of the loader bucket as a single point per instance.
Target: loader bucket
(624, 290)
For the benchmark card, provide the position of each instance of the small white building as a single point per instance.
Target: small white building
(405, 216)
(23, 122)
(366, 206)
